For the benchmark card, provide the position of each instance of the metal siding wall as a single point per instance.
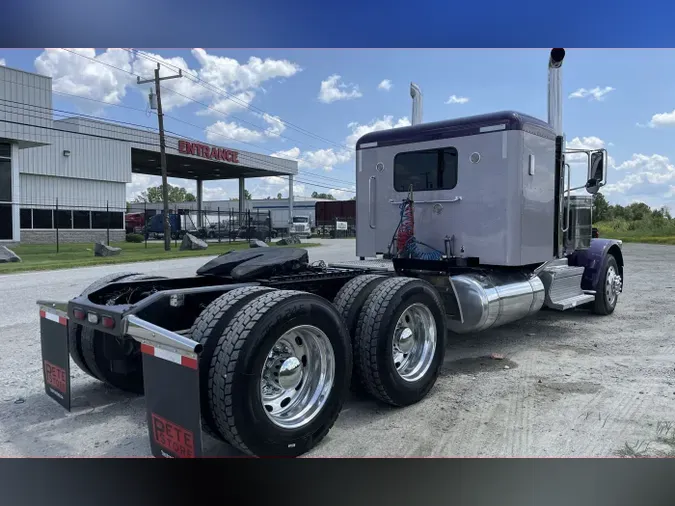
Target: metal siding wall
(89, 158)
(34, 96)
(44, 190)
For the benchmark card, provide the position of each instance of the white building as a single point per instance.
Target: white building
(71, 173)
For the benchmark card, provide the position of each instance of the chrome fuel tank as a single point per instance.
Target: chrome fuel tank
(489, 300)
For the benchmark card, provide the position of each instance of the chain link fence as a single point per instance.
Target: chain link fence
(56, 223)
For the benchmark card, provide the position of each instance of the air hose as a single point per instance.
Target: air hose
(406, 244)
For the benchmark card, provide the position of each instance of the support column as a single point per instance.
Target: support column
(242, 195)
(200, 193)
(290, 202)
(16, 192)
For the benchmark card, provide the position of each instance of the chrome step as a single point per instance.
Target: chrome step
(572, 302)
(562, 284)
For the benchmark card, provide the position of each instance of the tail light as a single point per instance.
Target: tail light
(108, 322)
(92, 318)
(79, 314)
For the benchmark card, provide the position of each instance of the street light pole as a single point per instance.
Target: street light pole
(162, 148)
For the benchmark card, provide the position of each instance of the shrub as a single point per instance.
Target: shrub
(134, 238)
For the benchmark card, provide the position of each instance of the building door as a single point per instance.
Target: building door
(5, 192)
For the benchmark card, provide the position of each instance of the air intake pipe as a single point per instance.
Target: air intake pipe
(416, 94)
(555, 89)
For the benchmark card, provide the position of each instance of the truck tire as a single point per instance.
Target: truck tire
(92, 345)
(281, 373)
(349, 302)
(401, 332)
(207, 329)
(75, 330)
(607, 293)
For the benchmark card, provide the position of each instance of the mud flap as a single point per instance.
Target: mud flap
(172, 400)
(55, 354)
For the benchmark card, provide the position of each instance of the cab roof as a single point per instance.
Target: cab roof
(458, 127)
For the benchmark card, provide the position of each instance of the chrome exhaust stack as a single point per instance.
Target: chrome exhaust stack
(416, 94)
(555, 117)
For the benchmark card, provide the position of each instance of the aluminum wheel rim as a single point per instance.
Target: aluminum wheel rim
(414, 343)
(612, 285)
(297, 377)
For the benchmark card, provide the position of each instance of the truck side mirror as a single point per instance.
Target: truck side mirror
(596, 172)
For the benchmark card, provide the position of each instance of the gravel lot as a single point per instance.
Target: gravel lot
(576, 384)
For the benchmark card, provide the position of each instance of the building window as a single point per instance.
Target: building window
(81, 220)
(432, 169)
(64, 219)
(99, 219)
(26, 218)
(6, 219)
(116, 220)
(5, 180)
(6, 222)
(42, 218)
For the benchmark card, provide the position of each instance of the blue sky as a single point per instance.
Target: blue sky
(626, 103)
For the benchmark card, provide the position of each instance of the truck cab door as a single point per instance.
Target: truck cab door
(370, 186)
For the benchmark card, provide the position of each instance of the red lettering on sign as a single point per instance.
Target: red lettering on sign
(172, 437)
(55, 376)
(209, 152)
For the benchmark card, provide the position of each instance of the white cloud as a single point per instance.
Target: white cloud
(276, 125)
(333, 89)
(591, 142)
(221, 130)
(385, 85)
(272, 185)
(664, 119)
(224, 106)
(646, 177)
(596, 93)
(454, 99)
(384, 123)
(228, 73)
(76, 75)
(3, 63)
(327, 159)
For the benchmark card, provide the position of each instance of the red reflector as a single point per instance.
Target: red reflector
(79, 314)
(108, 322)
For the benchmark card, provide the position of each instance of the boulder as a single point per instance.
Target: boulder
(103, 250)
(255, 243)
(287, 241)
(190, 242)
(7, 255)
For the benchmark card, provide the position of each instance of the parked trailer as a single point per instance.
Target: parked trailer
(329, 211)
(260, 347)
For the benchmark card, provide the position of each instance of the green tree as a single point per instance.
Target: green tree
(279, 197)
(327, 196)
(247, 195)
(638, 211)
(176, 194)
(601, 208)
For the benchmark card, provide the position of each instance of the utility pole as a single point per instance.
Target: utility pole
(162, 148)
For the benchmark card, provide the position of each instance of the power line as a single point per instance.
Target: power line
(154, 145)
(62, 113)
(153, 129)
(233, 98)
(194, 100)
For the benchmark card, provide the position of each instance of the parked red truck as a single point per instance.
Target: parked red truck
(134, 222)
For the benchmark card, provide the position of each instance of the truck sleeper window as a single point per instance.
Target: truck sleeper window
(430, 169)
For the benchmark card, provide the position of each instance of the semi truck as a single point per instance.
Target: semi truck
(462, 225)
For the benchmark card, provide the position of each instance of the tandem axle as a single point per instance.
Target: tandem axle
(294, 342)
